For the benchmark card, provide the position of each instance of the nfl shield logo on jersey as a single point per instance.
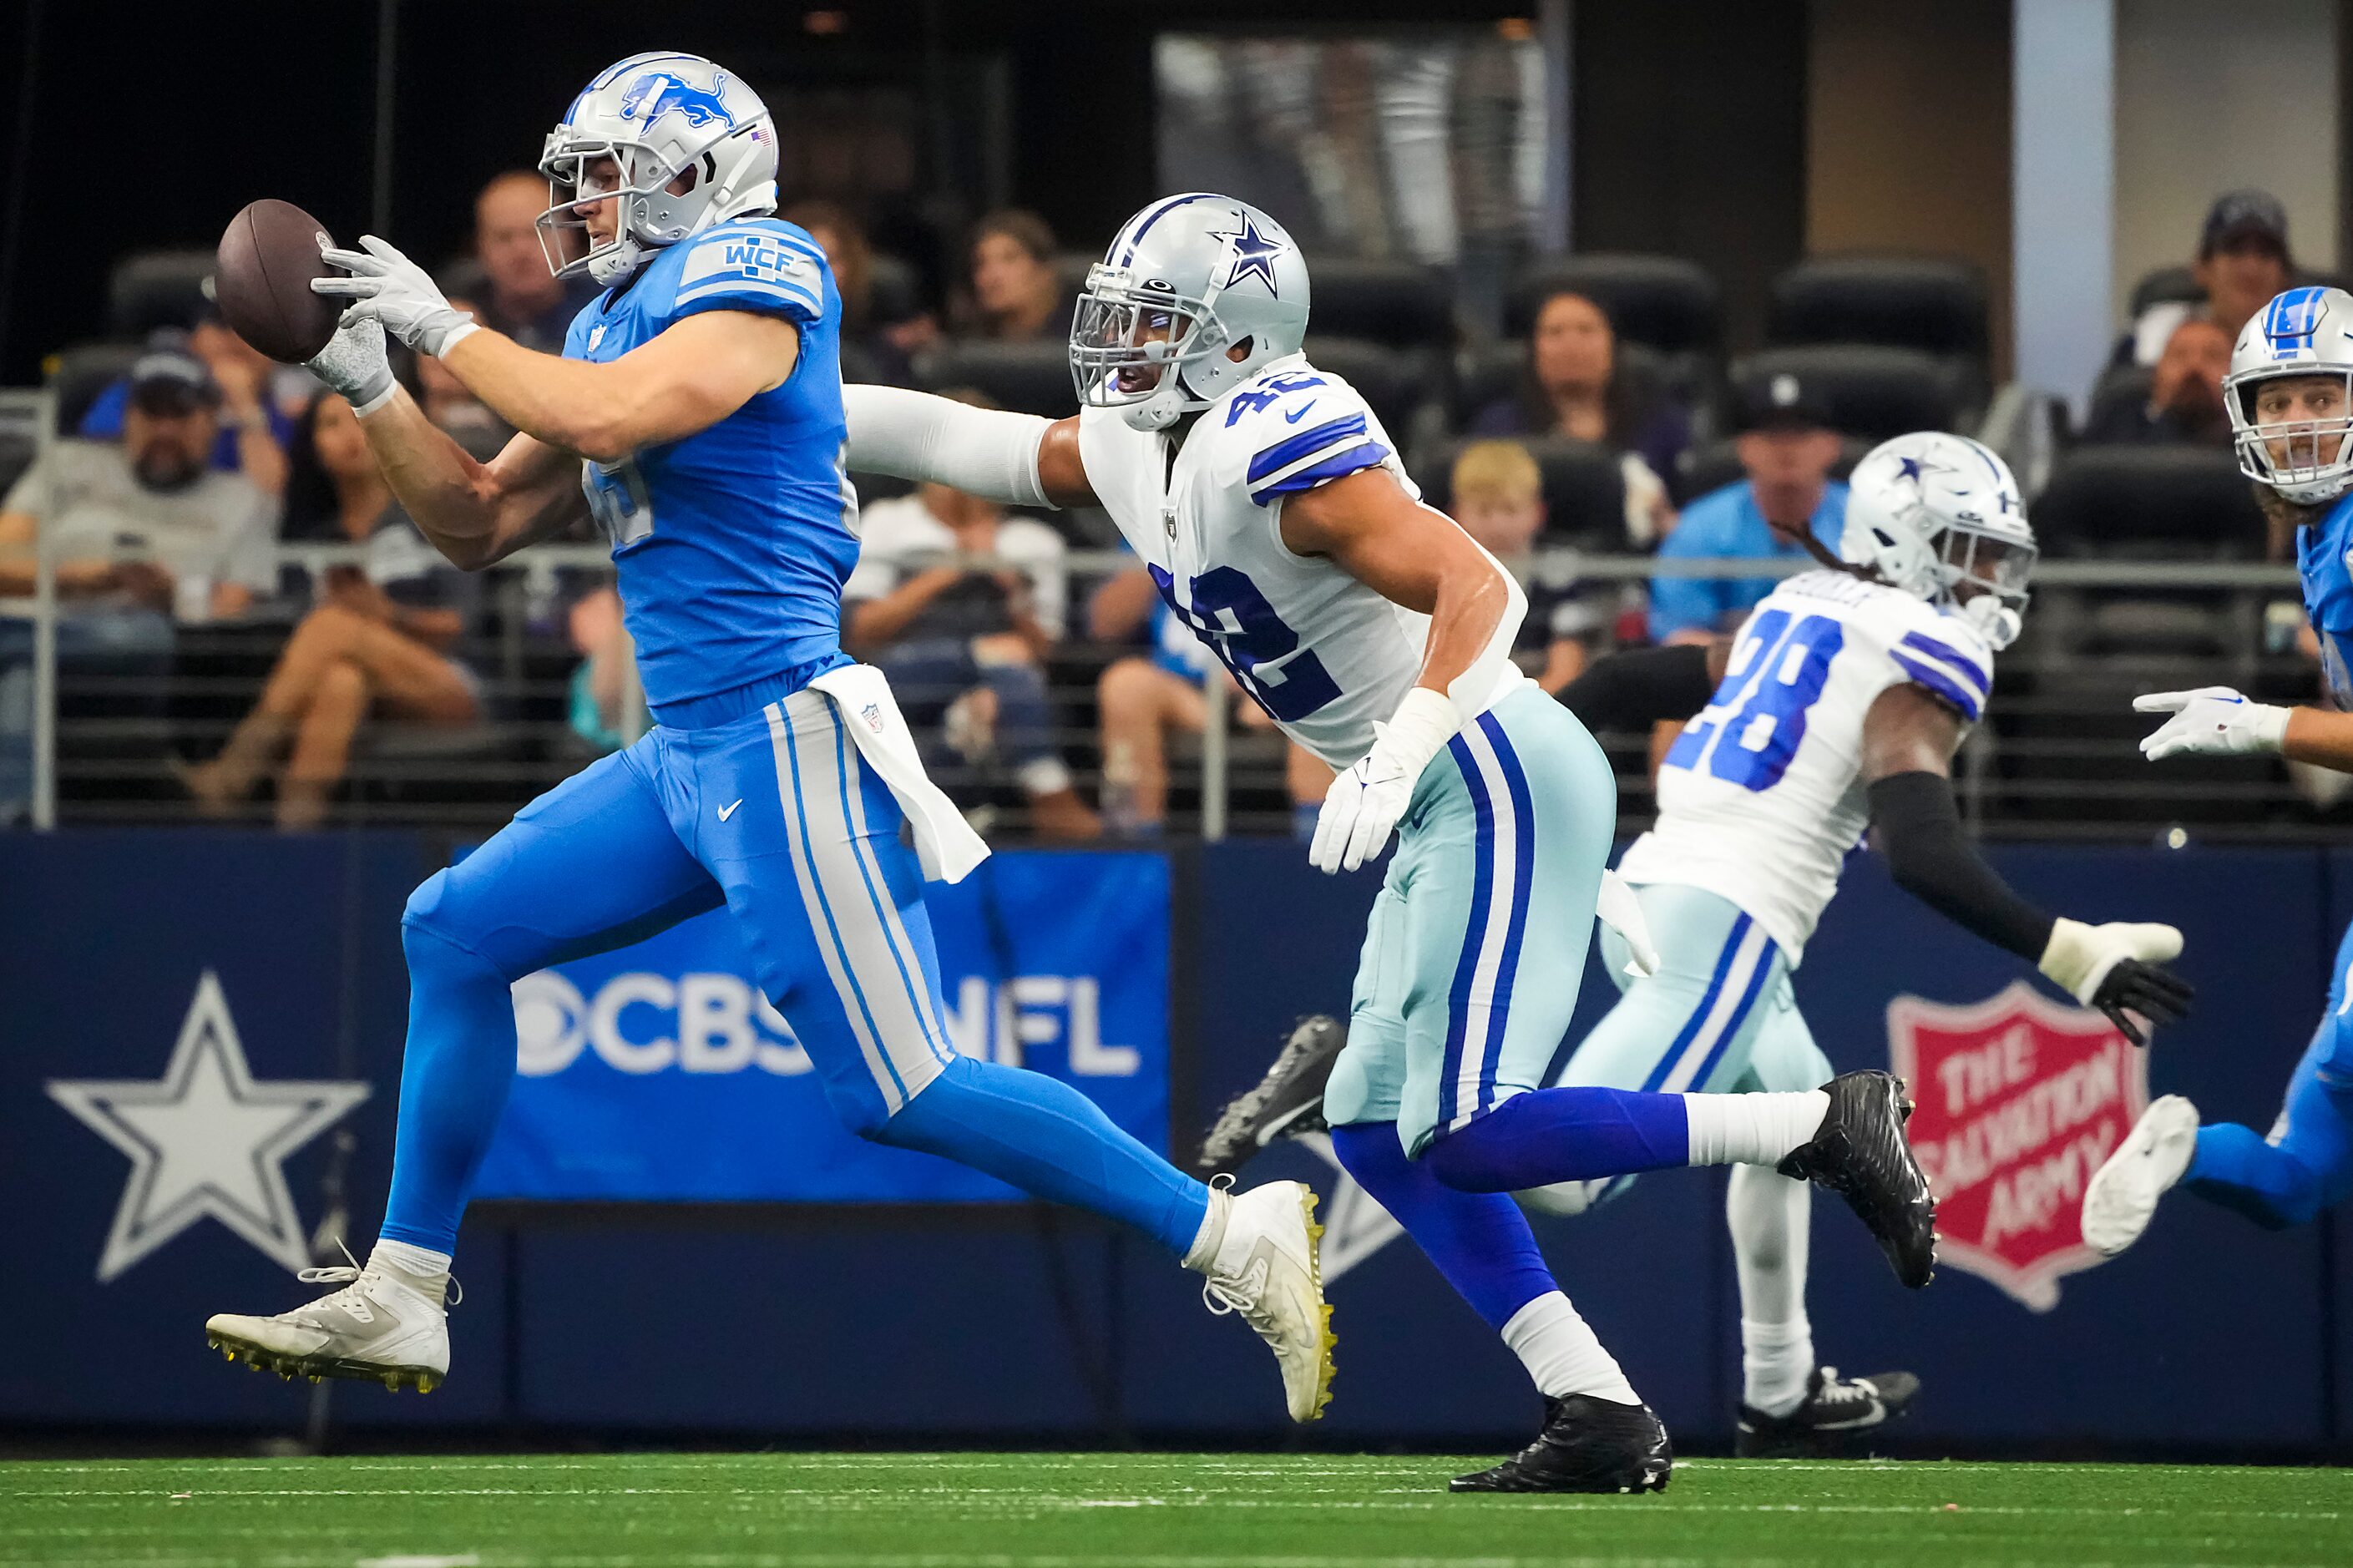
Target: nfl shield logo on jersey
(2019, 1099)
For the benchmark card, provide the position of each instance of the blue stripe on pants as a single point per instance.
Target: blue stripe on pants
(1475, 934)
(1706, 1005)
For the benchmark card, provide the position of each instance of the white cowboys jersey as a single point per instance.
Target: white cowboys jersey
(1325, 655)
(1761, 796)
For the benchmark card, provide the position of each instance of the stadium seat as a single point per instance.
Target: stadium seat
(2119, 386)
(1400, 384)
(1395, 303)
(157, 289)
(1934, 304)
(1663, 301)
(77, 374)
(1870, 391)
(1585, 496)
(1028, 378)
(898, 288)
(2165, 285)
(2149, 502)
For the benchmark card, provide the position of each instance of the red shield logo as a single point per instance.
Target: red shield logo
(2019, 1101)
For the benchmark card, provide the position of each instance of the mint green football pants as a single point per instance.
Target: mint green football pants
(1477, 940)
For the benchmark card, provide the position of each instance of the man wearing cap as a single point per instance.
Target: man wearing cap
(1789, 448)
(255, 432)
(144, 532)
(2243, 261)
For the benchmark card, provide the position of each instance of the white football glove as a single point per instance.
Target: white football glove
(1362, 808)
(2117, 968)
(354, 364)
(2212, 721)
(388, 286)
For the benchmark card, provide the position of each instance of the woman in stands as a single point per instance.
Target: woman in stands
(1575, 386)
(1016, 296)
(378, 640)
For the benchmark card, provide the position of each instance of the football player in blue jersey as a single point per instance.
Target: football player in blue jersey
(698, 402)
(2290, 398)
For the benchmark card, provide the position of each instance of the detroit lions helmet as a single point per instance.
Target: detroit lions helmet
(1185, 280)
(2304, 331)
(1940, 517)
(660, 118)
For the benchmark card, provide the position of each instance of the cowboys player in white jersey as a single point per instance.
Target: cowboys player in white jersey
(1837, 706)
(1275, 519)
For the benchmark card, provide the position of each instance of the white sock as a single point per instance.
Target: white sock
(1770, 1217)
(1752, 1128)
(421, 1268)
(1212, 1234)
(1562, 1355)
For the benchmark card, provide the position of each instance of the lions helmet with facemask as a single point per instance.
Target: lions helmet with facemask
(1940, 517)
(1185, 281)
(662, 119)
(2304, 331)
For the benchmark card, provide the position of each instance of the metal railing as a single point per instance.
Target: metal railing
(2051, 758)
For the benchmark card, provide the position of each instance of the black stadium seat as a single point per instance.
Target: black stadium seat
(78, 374)
(1396, 303)
(1663, 302)
(1397, 383)
(1585, 496)
(1934, 304)
(1871, 392)
(2164, 286)
(157, 289)
(2169, 502)
(2119, 386)
(1028, 378)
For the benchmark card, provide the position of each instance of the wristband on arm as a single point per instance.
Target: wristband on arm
(1931, 858)
(1628, 693)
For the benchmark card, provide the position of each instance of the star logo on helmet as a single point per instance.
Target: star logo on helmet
(1254, 253)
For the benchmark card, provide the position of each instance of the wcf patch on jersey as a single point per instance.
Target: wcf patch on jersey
(750, 258)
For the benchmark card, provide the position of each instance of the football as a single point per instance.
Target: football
(261, 281)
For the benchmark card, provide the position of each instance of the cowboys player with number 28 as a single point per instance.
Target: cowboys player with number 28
(2290, 398)
(698, 402)
(1273, 514)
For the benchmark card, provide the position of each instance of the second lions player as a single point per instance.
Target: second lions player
(1838, 705)
(1274, 516)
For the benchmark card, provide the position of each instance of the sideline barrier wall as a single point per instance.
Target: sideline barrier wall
(992, 1320)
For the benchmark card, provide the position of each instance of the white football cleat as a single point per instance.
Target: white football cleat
(1267, 1269)
(2123, 1192)
(381, 1327)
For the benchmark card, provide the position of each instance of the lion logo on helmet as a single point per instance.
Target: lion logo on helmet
(657, 93)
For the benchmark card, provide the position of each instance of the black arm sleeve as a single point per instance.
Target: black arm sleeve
(1920, 832)
(1630, 692)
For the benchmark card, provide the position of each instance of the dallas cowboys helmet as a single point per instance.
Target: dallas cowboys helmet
(1185, 280)
(2304, 331)
(660, 118)
(1940, 517)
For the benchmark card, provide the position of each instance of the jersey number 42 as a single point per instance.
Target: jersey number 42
(1228, 613)
(1753, 725)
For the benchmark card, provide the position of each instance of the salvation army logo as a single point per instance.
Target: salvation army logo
(2019, 1101)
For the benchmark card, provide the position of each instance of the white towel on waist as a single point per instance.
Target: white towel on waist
(944, 841)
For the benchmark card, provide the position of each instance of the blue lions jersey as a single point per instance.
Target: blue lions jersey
(733, 543)
(2323, 551)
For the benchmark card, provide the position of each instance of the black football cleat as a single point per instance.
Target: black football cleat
(1838, 1419)
(1860, 1154)
(1286, 1102)
(1587, 1445)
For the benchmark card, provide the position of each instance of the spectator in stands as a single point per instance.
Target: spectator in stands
(253, 429)
(1016, 296)
(1498, 498)
(1575, 386)
(965, 646)
(380, 637)
(2185, 394)
(519, 295)
(144, 533)
(599, 695)
(1142, 698)
(2243, 261)
(1789, 448)
(885, 333)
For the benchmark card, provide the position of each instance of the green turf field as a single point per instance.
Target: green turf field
(996, 1511)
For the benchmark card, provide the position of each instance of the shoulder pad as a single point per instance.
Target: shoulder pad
(749, 265)
(1942, 653)
(1291, 430)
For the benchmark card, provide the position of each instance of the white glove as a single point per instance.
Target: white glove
(1361, 809)
(354, 364)
(2119, 968)
(1616, 908)
(2212, 721)
(388, 286)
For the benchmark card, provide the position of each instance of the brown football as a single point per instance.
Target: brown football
(261, 281)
